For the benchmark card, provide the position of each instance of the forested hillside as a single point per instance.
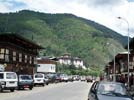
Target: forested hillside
(65, 33)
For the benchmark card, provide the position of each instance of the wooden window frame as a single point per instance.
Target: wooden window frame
(2, 53)
(20, 57)
(14, 56)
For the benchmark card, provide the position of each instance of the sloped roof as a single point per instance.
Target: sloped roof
(19, 40)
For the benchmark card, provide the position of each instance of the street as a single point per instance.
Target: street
(60, 91)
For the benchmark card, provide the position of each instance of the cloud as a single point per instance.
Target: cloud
(102, 11)
(107, 2)
(11, 5)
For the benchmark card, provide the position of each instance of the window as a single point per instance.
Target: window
(4, 54)
(38, 75)
(11, 76)
(20, 57)
(2, 51)
(35, 61)
(7, 55)
(14, 56)
(30, 60)
(26, 58)
(26, 77)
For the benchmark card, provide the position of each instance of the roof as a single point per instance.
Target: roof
(45, 61)
(19, 40)
(123, 52)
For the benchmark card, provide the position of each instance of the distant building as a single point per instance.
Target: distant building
(17, 54)
(67, 59)
(46, 65)
(121, 63)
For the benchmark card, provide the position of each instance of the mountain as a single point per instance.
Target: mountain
(65, 33)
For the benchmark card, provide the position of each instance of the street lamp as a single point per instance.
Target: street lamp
(127, 45)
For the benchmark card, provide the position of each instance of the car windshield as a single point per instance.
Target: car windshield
(38, 76)
(112, 89)
(26, 77)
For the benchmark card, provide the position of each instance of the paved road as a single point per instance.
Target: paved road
(60, 91)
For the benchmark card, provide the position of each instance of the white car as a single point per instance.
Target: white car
(9, 81)
(39, 79)
(64, 78)
(83, 78)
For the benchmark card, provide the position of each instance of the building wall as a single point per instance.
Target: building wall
(46, 68)
(69, 61)
(78, 63)
(17, 54)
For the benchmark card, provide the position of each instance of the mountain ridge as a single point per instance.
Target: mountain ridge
(60, 33)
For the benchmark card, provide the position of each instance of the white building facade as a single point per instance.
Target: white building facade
(45, 65)
(68, 60)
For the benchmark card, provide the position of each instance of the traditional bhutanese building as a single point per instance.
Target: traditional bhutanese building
(18, 54)
(121, 63)
(67, 59)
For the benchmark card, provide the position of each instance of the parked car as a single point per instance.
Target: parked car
(89, 79)
(46, 79)
(9, 81)
(39, 79)
(83, 78)
(58, 79)
(52, 77)
(70, 78)
(76, 77)
(25, 81)
(108, 91)
(64, 78)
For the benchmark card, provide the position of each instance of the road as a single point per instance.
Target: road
(60, 91)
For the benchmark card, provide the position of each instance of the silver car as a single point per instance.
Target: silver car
(108, 91)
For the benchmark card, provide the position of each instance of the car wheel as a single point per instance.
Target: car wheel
(1, 89)
(19, 88)
(12, 90)
(43, 84)
(30, 88)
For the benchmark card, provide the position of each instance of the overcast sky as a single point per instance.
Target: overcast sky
(104, 12)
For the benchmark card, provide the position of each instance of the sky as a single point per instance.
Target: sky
(105, 12)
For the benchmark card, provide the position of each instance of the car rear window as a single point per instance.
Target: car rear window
(38, 76)
(11, 76)
(26, 77)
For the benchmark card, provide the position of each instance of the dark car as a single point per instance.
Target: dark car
(25, 81)
(46, 79)
(89, 79)
(52, 77)
(108, 91)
